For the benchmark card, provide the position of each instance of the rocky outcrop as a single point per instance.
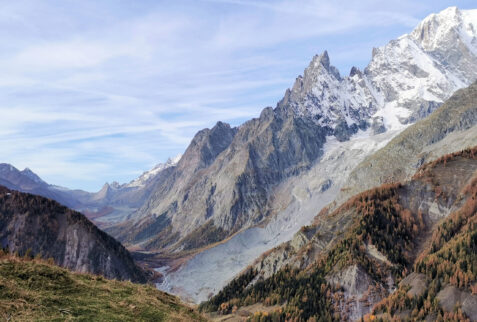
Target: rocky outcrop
(360, 291)
(416, 282)
(450, 298)
(38, 226)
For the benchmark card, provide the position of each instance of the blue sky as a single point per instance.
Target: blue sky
(96, 91)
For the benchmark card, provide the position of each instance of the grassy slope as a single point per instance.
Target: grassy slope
(35, 290)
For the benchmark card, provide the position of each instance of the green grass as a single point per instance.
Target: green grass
(35, 290)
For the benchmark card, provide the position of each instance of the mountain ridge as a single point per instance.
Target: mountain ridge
(40, 226)
(113, 202)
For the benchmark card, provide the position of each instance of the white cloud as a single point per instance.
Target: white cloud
(93, 91)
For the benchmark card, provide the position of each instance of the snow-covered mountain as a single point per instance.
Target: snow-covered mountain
(277, 171)
(405, 80)
(148, 175)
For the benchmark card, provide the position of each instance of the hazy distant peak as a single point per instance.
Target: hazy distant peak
(30, 174)
(148, 175)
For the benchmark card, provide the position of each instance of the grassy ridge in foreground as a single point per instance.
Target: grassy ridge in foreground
(33, 290)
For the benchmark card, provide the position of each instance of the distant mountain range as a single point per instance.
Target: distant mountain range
(254, 191)
(112, 203)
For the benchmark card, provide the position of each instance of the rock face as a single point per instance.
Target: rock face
(451, 297)
(43, 227)
(417, 283)
(355, 283)
(231, 187)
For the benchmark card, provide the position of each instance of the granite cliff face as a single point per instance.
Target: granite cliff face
(40, 226)
(229, 188)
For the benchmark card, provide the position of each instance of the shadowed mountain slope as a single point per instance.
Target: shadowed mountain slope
(40, 226)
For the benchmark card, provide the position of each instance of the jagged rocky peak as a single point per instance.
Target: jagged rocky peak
(318, 69)
(405, 81)
(355, 71)
(104, 193)
(342, 105)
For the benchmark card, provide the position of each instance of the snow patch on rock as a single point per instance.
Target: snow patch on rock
(146, 176)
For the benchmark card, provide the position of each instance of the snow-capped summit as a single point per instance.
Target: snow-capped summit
(418, 71)
(405, 81)
(330, 100)
(448, 26)
(147, 175)
(451, 38)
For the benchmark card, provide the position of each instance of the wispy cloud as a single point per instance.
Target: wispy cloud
(98, 91)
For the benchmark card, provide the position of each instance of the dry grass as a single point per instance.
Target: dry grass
(37, 290)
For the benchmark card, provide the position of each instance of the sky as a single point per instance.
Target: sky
(100, 91)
